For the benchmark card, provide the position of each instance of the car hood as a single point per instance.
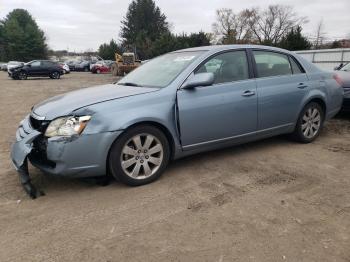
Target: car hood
(14, 67)
(65, 104)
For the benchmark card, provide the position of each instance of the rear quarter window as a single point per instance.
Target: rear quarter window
(271, 64)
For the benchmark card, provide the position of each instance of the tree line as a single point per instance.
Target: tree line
(146, 31)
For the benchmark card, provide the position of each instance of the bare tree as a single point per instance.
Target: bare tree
(320, 35)
(223, 27)
(231, 28)
(270, 25)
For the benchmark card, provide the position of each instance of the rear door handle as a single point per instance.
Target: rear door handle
(248, 93)
(302, 86)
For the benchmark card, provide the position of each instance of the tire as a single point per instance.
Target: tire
(98, 71)
(55, 75)
(22, 76)
(310, 123)
(133, 163)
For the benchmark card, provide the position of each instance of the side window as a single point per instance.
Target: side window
(271, 64)
(47, 63)
(227, 67)
(295, 66)
(35, 64)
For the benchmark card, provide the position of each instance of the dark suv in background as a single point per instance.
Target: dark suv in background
(36, 68)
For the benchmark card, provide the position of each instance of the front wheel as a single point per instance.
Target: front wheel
(309, 124)
(139, 156)
(22, 76)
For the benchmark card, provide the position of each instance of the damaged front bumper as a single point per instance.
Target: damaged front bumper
(25, 136)
(76, 156)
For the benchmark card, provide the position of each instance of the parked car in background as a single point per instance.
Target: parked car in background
(3, 67)
(72, 64)
(93, 62)
(178, 104)
(100, 67)
(13, 64)
(65, 68)
(36, 68)
(343, 73)
(109, 63)
(82, 66)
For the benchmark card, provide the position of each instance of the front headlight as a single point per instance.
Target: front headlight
(67, 126)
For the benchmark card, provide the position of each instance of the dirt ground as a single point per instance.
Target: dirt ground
(273, 200)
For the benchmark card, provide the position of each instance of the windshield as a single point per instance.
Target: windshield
(346, 67)
(160, 71)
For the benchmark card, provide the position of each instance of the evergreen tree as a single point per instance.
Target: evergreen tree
(169, 42)
(23, 39)
(2, 42)
(294, 40)
(144, 23)
(108, 50)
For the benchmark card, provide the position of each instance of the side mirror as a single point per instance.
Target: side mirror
(197, 80)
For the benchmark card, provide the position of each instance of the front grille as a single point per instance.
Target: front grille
(39, 125)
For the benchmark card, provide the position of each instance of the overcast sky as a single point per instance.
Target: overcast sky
(79, 25)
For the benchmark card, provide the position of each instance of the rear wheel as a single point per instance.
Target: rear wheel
(55, 75)
(139, 156)
(309, 124)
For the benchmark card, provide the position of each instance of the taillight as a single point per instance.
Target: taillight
(338, 79)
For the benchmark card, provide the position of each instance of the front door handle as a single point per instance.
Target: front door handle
(302, 86)
(248, 93)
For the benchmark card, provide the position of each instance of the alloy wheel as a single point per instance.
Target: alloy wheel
(311, 122)
(142, 156)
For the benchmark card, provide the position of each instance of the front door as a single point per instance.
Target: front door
(222, 111)
(35, 68)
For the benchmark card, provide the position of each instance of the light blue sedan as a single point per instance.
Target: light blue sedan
(178, 104)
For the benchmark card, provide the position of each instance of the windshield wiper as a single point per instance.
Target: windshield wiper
(129, 84)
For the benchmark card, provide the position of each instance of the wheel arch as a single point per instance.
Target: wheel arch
(155, 124)
(319, 101)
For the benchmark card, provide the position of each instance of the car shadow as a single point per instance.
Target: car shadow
(57, 185)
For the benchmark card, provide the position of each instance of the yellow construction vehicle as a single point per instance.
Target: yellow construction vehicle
(124, 64)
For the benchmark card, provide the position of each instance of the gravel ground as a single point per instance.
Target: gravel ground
(273, 200)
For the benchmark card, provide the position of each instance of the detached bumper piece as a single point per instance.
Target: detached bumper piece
(27, 185)
(25, 136)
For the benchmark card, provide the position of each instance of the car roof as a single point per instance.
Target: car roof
(230, 47)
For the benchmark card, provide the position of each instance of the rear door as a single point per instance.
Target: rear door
(226, 109)
(47, 68)
(281, 86)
